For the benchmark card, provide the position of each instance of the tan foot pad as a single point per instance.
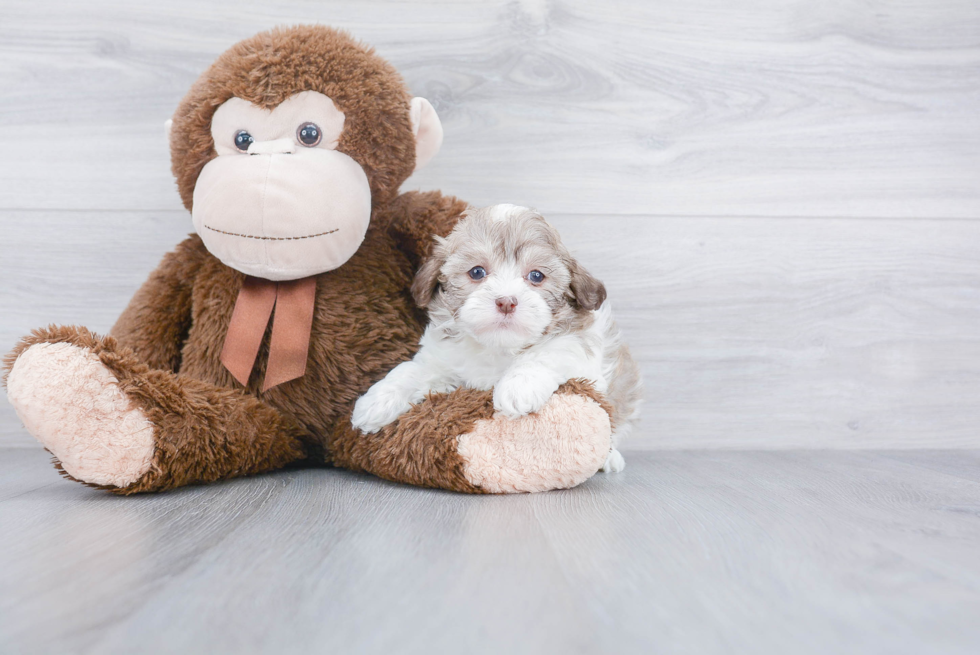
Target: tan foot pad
(72, 404)
(561, 445)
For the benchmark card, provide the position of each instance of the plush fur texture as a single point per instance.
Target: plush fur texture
(268, 68)
(202, 432)
(473, 452)
(163, 353)
(537, 452)
(510, 310)
(71, 402)
(282, 210)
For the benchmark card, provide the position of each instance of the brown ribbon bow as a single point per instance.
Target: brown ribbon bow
(290, 343)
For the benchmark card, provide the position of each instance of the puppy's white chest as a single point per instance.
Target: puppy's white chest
(480, 370)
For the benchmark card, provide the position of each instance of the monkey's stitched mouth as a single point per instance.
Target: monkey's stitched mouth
(252, 236)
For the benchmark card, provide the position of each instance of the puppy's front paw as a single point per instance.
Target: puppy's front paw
(381, 405)
(520, 393)
(614, 462)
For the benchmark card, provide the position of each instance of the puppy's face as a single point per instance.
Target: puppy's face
(504, 278)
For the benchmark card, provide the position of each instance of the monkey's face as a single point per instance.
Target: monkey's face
(279, 201)
(283, 145)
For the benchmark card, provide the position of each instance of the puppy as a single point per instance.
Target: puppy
(510, 310)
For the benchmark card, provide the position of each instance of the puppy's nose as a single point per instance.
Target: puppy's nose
(506, 304)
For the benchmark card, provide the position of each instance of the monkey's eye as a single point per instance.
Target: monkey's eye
(243, 140)
(535, 277)
(477, 273)
(308, 134)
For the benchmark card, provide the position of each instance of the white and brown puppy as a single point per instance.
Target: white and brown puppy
(510, 310)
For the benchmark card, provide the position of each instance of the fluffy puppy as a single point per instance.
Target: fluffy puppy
(510, 310)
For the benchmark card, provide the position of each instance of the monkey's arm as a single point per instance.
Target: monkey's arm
(456, 441)
(405, 385)
(156, 321)
(391, 397)
(415, 217)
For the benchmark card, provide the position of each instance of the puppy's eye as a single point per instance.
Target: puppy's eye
(477, 273)
(243, 140)
(535, 277)
(308, 134)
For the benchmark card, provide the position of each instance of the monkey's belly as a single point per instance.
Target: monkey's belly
(364, 325)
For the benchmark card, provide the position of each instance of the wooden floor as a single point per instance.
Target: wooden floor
(684, 552)
(782, 198)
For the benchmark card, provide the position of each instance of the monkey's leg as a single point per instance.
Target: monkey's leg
(113, 422)
(453, 441)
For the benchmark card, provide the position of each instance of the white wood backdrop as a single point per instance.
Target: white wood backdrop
(782, 196)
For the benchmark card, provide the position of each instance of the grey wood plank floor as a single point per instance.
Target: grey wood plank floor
(782, 199)
(685, 551)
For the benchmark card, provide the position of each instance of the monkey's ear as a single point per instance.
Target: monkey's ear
(167, 126)
(427, 129)
(426, 282)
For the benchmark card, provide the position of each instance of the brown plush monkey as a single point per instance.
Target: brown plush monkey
(289, 151)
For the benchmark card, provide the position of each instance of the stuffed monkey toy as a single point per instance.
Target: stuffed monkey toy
(247, 347)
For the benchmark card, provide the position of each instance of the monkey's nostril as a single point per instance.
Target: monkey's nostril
(277, 147)
(506, 305)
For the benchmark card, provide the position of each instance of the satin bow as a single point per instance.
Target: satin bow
(290, 344)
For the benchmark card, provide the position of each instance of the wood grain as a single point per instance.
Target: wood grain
(677, 145)
(782, 199)
(752, 333)
(669, 108)
(701, 552)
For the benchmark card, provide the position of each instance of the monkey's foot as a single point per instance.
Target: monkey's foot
(561, 445)
(71, 402)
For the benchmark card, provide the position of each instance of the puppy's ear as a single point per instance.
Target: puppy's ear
(587, 292)
(426, 282)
